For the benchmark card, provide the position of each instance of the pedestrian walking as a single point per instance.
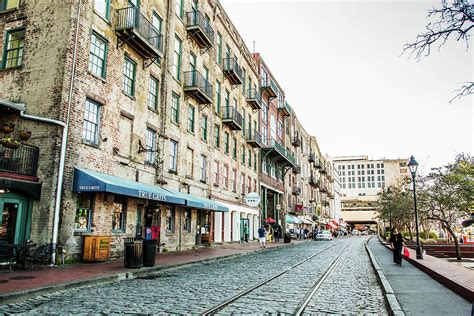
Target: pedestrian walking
(262, 236)
(277, 233)
(246, 232)
(396, 242)
(306, 231)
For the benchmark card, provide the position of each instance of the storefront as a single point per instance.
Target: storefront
(231, 224)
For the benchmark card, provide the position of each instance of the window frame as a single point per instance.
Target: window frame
(149, 158)
(217, 136)
(85, 196)
(127, 59)
(123, 224)
(170, 224)
(97, 123)
(204, 122)
(103, 73)
(173, 156)
(150, 94)
(191, 120)
(175, 111)
(107, 10)
(5, 52)
(177, 67)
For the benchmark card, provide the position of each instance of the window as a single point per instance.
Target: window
(179, 8)
(249, 185)
(255, 162)
(187, 221)
(234, 180)
(119, 214)
(170, 220)
(203, 168)
(9, 4)
(97, 55)
(226, 176)
(226, 142)
(177, 57)
(217, 136)
(250, 158)
(150, 140)
(90, 132)
(189, 162)
(219, 49)
(129, 76)
(244, 76)
(216, 173)
(243, 122)
(173, 156)
(153, 93)
(234, 148)
(13, 50)
(218, 97)
(191, 113)
(102, 8)
(254, 185)
(243, 154)
(227, 98)
(204, 128)
(242, 182)
(175, 108)
(83, 219)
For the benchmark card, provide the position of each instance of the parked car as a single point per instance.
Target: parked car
(324, 235)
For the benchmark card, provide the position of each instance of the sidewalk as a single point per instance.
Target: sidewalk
(416, 291)
(22, 284)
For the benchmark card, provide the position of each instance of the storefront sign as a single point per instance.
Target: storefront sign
(151, 196)
(89, 187)
(214, 207)
(252, 199)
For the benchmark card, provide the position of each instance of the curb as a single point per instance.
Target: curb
(394, 307)
(450, 284)
(27, 294)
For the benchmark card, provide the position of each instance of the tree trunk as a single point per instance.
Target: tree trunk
(456, 243)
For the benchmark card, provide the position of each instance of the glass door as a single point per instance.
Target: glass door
(10, 221)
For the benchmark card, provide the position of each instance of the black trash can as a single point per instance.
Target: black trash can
(149, 252)
(287, 238)
(133, 252)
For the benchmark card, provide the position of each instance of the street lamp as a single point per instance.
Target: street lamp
(413, 165)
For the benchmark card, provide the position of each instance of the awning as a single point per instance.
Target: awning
(200, 202)
(330, 224)
(31, 188)
(12, 105)
(92, 181)
(290, 219)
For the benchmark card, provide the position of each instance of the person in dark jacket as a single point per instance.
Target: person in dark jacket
(396, 242)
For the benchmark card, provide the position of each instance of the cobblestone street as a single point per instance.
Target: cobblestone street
(193, 289)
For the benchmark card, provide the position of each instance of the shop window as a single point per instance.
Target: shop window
(187, 221)
(169, 220)
(118, 214)
(83, 219)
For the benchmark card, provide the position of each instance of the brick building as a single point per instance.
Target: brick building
(152, 117)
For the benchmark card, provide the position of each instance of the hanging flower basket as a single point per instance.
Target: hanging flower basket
(10, 143)
(24, 135)
(7, 127)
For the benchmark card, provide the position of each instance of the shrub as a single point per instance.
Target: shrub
(433, 235)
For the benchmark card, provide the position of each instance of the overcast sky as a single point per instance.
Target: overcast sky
(339, 64)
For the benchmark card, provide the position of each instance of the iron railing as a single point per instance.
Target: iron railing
(268, 83)
(196, 18)
(23, 160)
(252, 94)
(254, 136)
(132, 18)
(231, 65)
(230, 113)
(273, 143)
(195, 79)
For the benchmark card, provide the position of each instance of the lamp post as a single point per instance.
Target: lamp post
(413, 165)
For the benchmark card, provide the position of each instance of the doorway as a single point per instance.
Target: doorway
(15, 218)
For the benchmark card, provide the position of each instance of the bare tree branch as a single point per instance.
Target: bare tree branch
(466, 89)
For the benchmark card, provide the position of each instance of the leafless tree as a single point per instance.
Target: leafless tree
(455, 19)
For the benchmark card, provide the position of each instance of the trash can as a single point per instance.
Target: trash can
(287, 238)
(149, 252)
(133, 252)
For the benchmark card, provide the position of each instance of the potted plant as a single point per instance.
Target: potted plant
(24, 134)
(8, 127)
(10, 143)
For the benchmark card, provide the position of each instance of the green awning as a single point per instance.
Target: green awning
(290, 219)
(200, 202)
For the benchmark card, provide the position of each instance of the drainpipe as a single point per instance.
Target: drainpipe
(65, 126)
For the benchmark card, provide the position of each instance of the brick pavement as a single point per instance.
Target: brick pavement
(26, 283)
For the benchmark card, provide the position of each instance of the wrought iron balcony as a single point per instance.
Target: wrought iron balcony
(297, 169)
(277, 149)
(285, 108)
(199, 27)
(197, 86)
(233, 71)
(313, 181)
(296, 141)
(322, 168)
(322, 187)
(134, 29)
(269, 86)
(317, 163)
(23, 160)
(232, 118)
(312, 157)
(254, 138)
(296, 191)
(254, 99)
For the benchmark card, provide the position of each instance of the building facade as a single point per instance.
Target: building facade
(142, 118)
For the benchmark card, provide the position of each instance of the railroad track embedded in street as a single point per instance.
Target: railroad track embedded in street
(307, 298)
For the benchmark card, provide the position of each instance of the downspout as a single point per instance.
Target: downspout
(65, 126)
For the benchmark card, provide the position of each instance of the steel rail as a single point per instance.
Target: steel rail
(318, 284)
(215, 309)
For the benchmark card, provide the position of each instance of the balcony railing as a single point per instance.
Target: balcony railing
(197, 86)
(322, 187)
(23, 160)
(232, 118)
(134, 29)
(313, 181)
(254, 99)
(269, 86)
(297, 169)
(199, 27)
(317, 163)
(277, 147)
(296, 191)
(254, 138)
(233, 71)
(312, 157)
(285, 108)
(296, 141)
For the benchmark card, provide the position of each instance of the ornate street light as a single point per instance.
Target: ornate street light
(413, 165)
